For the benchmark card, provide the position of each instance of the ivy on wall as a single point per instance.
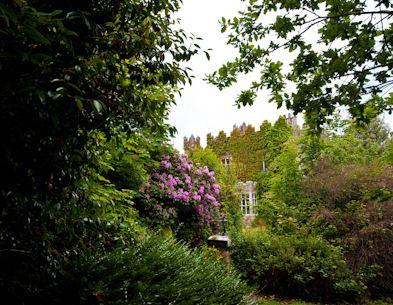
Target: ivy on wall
(248, 147)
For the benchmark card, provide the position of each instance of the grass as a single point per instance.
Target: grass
(273, 301)
(291, 302)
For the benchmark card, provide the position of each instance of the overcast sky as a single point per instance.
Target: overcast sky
(202, 108)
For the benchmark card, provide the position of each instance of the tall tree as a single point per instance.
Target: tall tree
(84, 87)
(285, 183)
(341, 55)
(357, 143)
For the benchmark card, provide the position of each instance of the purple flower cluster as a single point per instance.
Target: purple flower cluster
(180, 184)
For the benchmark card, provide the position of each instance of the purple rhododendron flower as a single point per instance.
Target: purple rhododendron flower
(196, 197)
(180, 184)
(216, 189)
(166, 164)
(201, 190)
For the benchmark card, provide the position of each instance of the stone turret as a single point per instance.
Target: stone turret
(191, 143)
(291, 120)
(242, 128)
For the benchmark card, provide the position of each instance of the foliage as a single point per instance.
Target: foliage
(357, 144)
(337, 185)
(294, 265)
(273, 301)
(282, 218)
(342, 188)
(285, 184)
(51, 56)
(85, 89)
(97, 216)
(225, 178)
(165, 272)
(371, 246)
(206, 157)
(388, 153)
(218, 144)
(310, 150)
(249, 148)
(355, 212)
(364, 231)
(242, 147)
(184, 197)
(277, 301)
(339, 54)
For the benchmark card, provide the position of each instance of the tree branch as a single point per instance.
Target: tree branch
(14, 251)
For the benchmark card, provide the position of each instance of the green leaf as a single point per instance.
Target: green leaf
(98, 106)
(34, 34)
(79, 103)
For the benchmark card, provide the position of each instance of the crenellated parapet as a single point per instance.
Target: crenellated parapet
(191, 143)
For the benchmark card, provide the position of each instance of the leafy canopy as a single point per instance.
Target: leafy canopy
(339, 51)
(85, 88)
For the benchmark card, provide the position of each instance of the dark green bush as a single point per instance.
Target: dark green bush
(79, 81)
(294, 265)
(165, 272)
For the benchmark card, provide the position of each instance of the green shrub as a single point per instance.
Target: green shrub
(294, 265)
(370, 247)
(285, 183)
(69, 69)
(281, 218)
(364, 231)
(225, 178)
(335, 185)
(283, 302)
(162, 271)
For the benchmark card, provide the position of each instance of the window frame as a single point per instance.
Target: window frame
(248, 203)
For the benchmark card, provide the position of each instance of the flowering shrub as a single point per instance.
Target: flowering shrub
(183, 196)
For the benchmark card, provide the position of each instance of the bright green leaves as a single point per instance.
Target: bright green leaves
(225, 76)
(163, 271)
(272, 77)
(342, 54)
(245, 98)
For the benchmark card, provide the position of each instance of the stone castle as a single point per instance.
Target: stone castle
(246, 189)
(191, 143)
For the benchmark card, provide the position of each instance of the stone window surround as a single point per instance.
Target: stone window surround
(247, 198)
